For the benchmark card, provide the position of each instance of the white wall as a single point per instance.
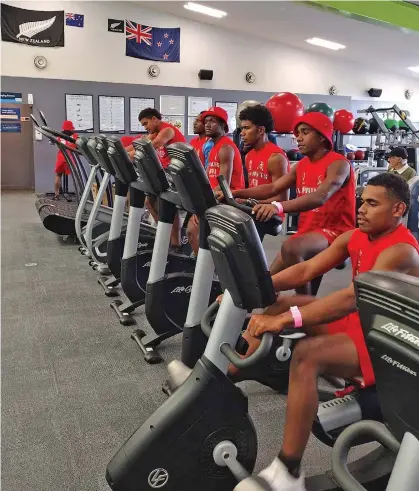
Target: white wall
(93, 53)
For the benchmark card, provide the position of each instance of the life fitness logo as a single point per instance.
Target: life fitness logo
(158, 478)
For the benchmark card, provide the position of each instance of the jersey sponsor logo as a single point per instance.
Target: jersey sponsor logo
(182, 289)
(398, 365)
(399, 332)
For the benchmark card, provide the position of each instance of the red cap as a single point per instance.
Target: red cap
(319, 121)
(68, 125)
(219, 112)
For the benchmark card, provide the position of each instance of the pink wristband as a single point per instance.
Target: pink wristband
(279, 207)
(296, 315)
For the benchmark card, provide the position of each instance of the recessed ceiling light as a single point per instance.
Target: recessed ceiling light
(413, 69)
(325, 44)
(202, 9)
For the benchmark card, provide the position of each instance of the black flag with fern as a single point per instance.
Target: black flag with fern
(33, 27)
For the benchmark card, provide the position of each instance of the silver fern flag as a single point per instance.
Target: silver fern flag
(33, 27)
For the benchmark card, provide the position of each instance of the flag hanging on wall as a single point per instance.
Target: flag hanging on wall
(152, 43)
(115, 25)
(74, 20)
(33, 27)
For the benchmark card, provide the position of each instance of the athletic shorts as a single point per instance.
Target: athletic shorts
(61, 167)
(351, 326)
(330, 235)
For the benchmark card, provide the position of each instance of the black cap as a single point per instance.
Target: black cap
(399, 152)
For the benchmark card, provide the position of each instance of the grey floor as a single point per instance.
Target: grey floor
(74, 386)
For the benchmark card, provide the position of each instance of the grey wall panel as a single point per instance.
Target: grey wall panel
(49, 95)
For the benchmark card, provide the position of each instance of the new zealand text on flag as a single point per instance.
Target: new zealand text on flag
(75, 20)
(152, 43)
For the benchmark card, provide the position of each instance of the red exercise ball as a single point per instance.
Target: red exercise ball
(285, 109)
(359, 155)
(344, 121)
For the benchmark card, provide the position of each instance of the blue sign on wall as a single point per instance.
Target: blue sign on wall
(11, 97)
(10, 128)
(10, 114)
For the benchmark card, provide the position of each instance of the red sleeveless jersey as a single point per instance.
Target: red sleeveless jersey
(162, 151)
(198, 144)
(364, 253)
(337, 215)
(257, 164)
(213, 169)
(61, 161)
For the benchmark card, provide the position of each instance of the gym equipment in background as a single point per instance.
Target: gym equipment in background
(285, 108)
(242, 106)
(209, 439)
(321, 107)
(361, 126)
(343, 121)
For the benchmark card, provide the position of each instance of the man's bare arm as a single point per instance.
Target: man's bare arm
(277, 168)
(302, 273)
(337, 173)
(267, 191)
(401, 258)
(226, 155)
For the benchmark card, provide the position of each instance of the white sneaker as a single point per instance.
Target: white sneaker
(279, 479)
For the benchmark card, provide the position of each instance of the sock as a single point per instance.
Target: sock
(293, 465)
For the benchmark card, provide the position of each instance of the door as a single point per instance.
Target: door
(17, 163)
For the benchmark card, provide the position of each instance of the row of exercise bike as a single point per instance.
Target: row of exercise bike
(202, 436)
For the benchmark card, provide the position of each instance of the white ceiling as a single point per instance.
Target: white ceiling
(291, 23)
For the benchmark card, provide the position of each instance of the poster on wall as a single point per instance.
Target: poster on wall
(190, 126)
(111, 114)
(10, 127)
(231, 108)
(136, 105)
(79, 110)
(198, 104)
(177, 121)
(11, 97)
(10, 114)
(34, 27)
(172, 105)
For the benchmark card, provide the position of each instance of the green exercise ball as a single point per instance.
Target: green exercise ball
(242, 106)
(391, 124)
(321, 107)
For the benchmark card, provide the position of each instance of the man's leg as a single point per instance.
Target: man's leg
(300, 248)
(175, 239)
(151, 204)
(57, 184)
(193, 233)
(325, 354)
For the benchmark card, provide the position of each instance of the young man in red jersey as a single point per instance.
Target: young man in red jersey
(224, 158)
(199, 141)
(325, 186)
(61, 166)
(335, 343)
(161, 135)
(265, 162)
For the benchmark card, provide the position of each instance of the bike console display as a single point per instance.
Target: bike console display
(149, 167)
(388, 305)
(190, 179)
(239, 258)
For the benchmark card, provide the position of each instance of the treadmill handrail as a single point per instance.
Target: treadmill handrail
(229, 199)
(59, 134)
(261, 352)
(377, 431)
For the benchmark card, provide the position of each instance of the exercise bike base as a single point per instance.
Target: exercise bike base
(150, 355)
(109, 286)
(124, 317)
(149, 342)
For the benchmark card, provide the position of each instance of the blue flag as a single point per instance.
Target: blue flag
(152, 43)
(75, 20)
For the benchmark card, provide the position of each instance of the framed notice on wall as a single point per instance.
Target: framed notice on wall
(172, 105)
(198, 104)
(177, 121)
(111, 114)
(230, 108)
(136, 105)
(79, 110)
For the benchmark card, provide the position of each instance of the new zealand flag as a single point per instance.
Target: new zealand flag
(152, 43)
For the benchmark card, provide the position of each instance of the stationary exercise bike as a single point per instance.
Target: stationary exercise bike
(202, 436)
(135, 263)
